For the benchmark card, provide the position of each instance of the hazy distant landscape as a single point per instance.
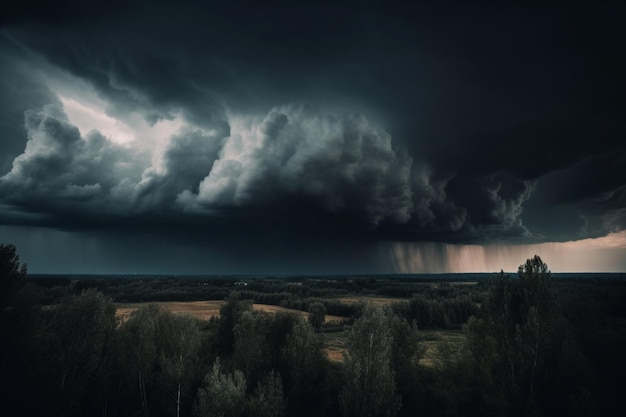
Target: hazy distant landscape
(529, 343)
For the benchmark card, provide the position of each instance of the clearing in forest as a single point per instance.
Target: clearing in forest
(204, 310)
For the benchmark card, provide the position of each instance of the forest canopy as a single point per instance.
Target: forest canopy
(532, 345)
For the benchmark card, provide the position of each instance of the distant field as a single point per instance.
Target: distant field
(335, 344)
(204, 310)
(368, 299)
(439, 346)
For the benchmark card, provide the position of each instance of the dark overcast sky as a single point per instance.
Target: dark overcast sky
(322, 137)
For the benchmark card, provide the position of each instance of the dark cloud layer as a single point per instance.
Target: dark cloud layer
(352, 121)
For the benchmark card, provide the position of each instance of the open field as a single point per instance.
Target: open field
(438, 345)
(335, 344)
(586, 333)
(273, 309)
(204, 310)
(369, 299)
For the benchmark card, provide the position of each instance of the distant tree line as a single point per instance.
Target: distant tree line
(442, 306)
(530, 351)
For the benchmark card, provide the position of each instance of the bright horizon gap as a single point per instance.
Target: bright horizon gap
(50, 251)
(603, 254)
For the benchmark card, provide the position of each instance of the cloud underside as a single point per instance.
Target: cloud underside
(385, 123)
(297, 165)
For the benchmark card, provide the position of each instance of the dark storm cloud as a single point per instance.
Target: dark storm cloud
(187, 159)
(127, 55)
(338, 163)
(22, 88)
(585, 199)
(465, 209)
(61, 173)
(400, 122)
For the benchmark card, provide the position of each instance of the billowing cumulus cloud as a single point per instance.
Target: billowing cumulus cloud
(339, 163)
(22, 87)
(298, 162)
(434, 209)
(60, 172)
(186, 160)
(500, 213)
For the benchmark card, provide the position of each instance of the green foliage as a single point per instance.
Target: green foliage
(537, 345)
(512, 340)
(451, 312)
(269, 398)
(304, 367)
(140, 341)
(405, 354)
(317, 314)
(12, 274)
(369, 386)
(223, 394)
(78, 336)
(161, 352)
(180, 338)
(252, 349)
(280, 326)
(230, 315)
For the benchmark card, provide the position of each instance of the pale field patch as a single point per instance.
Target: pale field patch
(274, 309)
(438, 346)
(367, 299)
(441, 346)
(334, 354)
(335, 344)
(204, 310)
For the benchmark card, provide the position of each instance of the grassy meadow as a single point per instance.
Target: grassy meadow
(335, 336)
